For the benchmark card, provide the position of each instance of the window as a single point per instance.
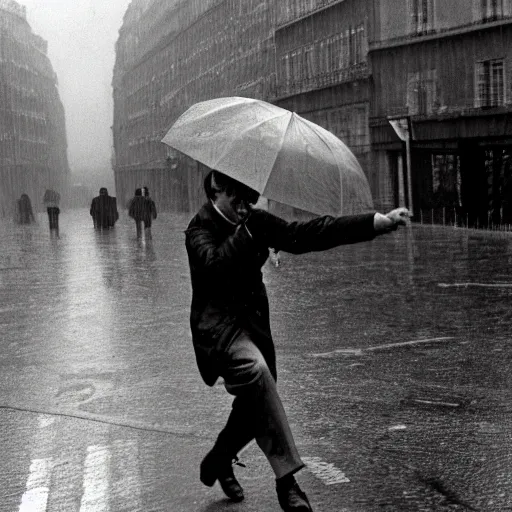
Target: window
(491, 9)
(361, 134)
(360, 45)
(309, 62)
(446, 180)
(422, 15)
(286, 67)
(352, 46)
(490, 83)
(422, 92)
(337, 52)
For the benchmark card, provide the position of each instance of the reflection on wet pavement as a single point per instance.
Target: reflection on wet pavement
(394, 360)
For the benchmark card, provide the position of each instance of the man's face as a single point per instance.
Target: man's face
(232, 206)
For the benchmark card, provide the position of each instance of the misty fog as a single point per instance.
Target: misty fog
(81, 36)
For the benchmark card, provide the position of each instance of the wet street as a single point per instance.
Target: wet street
(394, 362)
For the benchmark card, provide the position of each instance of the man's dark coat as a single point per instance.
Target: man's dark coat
(228, 294)
(104, 211)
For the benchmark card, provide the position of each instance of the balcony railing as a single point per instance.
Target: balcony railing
(441, 113)
(292, 87)
(301, 9)
(439, 33)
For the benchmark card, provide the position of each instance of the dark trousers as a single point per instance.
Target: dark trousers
(53, 217)
(147, 227)
(257, 411)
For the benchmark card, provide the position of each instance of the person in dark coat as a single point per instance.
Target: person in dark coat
(143, 210)
(24, 212)
(227, 244)
(51, 200)
(149, 212)
(104, 210)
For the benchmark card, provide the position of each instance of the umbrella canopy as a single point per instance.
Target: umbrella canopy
(283, 156)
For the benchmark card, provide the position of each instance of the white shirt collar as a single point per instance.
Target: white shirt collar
(222, 215)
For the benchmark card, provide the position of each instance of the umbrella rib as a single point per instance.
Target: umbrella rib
(277, 153)
(313, 126)
(226, 150)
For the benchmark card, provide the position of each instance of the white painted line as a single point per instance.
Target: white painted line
(434, 402)
(361, 351)
(35, 498)
(96, 480)
(484, 285)
(408, 343)
(395, 428)
(127, 486)
(328, 473)
(45, 420)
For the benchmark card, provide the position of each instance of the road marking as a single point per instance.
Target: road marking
(128, 486)
(484, 285)
(395, 428)
(327, 472)
(361, 351)
(35, 498)
(96, 480)
(434, 402)
(46, 421)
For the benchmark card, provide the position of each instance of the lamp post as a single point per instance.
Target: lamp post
(403, 128)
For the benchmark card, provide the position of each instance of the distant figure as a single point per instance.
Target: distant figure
(24, 213)
(143, 210)
(150, 209)
(104, 210)
(51, 200)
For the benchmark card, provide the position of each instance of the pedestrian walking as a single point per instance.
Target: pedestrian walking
(104, 210)
(150, 212)
(24, 212)
(143, 210)
(227, 243)
(51, 200)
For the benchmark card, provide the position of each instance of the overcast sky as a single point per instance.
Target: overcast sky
(81, 37)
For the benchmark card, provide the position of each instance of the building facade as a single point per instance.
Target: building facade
(33, 147)
(170, 55)
(420, 90)
(323, 72)
(445, 71)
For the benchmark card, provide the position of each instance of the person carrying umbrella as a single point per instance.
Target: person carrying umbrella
(228, 242)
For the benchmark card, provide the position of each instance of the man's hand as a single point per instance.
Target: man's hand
(399, 216)
(391, 221)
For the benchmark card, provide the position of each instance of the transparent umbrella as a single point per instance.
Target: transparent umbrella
(283, 156)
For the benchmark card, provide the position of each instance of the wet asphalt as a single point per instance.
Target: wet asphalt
(393, 358)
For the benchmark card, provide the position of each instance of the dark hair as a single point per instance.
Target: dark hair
(216, 182)
(146, 191)
(103, 190)
(138, 191)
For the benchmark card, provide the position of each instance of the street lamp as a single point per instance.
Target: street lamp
(403, 128)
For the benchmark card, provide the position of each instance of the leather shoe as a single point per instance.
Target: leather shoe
(232, 489)
(293, 499)
(216, 467)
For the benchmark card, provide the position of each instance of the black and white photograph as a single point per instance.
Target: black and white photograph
(255, 255)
